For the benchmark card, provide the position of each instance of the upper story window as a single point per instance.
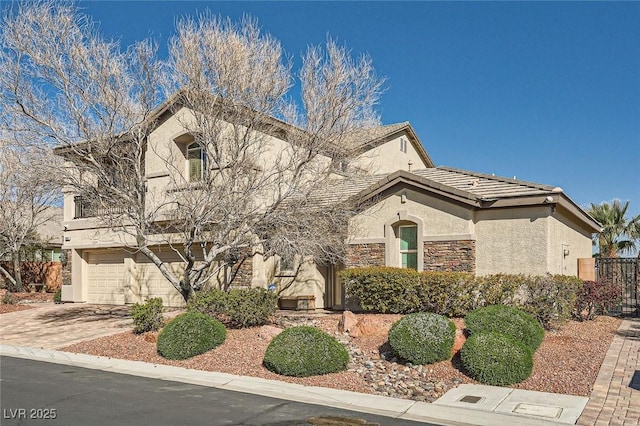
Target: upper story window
(403, 145)
(197, 162)
(408, 246)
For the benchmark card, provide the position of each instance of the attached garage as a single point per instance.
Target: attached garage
(105, 278)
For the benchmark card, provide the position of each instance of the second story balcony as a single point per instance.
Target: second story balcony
(85, 208)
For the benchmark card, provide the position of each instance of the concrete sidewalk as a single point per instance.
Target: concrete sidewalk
(615, 399)
(374, 404)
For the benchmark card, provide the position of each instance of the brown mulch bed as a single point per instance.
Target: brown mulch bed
(23, 300)
(567, 361)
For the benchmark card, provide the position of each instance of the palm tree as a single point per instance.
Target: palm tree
(619, 233)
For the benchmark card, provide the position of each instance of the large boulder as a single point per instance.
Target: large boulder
(347, 322)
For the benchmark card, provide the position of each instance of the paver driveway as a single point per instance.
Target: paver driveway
(51, 326)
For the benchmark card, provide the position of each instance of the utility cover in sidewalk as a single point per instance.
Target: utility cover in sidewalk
(516, 402)
(470, 399)
(538, 410)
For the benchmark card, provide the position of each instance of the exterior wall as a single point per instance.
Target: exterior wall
(362, 255)
(567, 244)
(387, 158)
(310, 280)
(442, 219)
(450, 256)
(512, 240)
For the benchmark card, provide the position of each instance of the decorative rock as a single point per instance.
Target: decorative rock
(268, 332)
(347, 322)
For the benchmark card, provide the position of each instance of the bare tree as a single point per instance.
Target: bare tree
(262, 164)
(26, 193)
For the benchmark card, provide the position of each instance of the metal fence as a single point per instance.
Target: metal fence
(623, 272)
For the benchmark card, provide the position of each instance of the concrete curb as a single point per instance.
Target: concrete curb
(373, 404)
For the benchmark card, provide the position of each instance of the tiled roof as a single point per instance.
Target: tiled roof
(484, 186)
(367, 136)
(470, 185)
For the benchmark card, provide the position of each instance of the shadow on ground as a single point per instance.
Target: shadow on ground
(633, 333)
(88, 313)
(635, 381)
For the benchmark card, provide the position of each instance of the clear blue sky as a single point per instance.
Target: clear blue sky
(548, 92)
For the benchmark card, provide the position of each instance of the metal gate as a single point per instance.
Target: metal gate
(624, 273)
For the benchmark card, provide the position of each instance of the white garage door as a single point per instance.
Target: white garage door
(106, 278)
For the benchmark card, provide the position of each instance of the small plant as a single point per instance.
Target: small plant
(57, 296)
(7, 299)
(422, 338)
(190, 334)
(305, 351)
(241, 307)
(147, 316)
(506, 320)
(496, 359)
(594, 298)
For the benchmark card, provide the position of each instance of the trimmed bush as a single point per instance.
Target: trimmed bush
(452, 294)
(506, 320)
(147, 316)
(551, 298)
(383, 289)
(305, 351)
(496, 359)
(500, 289)
(594, 298)
(190, 334)
(251, 306)
(241, 307)
(422, 338)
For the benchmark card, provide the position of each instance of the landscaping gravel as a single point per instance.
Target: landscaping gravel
(567, 361)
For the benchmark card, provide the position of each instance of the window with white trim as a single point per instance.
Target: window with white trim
(196, 161)
(403, 145)
(408, 246)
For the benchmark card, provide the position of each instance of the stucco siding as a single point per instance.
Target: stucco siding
(388, 158)
(512, 241)
(441, 218)
(310, 280)
(567, 244)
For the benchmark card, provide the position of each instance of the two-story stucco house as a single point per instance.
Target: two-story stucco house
(418, 216)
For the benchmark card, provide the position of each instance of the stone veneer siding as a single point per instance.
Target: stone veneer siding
(362, 255)
(243, 271)
(66, 268)
(450, 256)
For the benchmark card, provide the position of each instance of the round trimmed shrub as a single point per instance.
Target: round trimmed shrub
(496, 359)
(305, 351)
(190, 334)
(506, 320)
(422, 338)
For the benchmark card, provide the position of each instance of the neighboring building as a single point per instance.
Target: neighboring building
(418, 216)
(40, 263)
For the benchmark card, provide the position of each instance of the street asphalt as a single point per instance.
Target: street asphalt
(34, 392)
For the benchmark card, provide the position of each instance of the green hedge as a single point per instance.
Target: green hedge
(549, 298)
(506, 320)
(422, 338)
(382, 289)
(496, 359)
(305, 351)
(190, 334)
(241, 307)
